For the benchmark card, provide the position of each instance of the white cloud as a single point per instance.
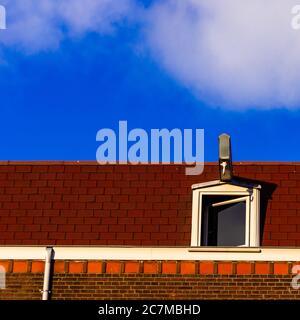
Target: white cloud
(237, 54)
(35, 25)
(231, 53)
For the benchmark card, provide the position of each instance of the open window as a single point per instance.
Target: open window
(225, 215)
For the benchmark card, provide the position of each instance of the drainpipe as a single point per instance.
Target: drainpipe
(46, 286)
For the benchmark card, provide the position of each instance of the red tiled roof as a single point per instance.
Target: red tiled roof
(83, 203)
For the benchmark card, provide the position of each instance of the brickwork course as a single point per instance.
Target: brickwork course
(152, 280)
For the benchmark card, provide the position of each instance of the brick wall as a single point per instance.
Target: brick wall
(152, 280)
(65, 203)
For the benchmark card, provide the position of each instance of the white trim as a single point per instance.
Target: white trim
(153, 253)
(248, 222)
(237, 183)
(196, 218)
(206, 184)
(225, 249)
(252, 209)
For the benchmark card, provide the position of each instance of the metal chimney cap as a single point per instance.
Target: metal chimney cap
(224, 147)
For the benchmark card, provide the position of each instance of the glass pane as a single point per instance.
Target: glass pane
(231, 224)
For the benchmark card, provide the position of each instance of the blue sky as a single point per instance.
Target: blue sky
(54, 100)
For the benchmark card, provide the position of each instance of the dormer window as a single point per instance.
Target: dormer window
(225, 214)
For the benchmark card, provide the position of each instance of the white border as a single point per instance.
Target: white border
(152, 253)
(252, 208)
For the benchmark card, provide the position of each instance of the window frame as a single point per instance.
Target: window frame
(217, 188)
(238, 199)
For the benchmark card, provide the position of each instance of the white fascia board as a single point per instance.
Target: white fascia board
(152, 253)
(206, 184)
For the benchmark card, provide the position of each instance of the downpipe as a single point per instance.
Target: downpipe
(47, 273)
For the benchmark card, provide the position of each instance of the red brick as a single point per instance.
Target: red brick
(160, 221)
(243, 268)
(293, 220)
(279, 235)
(294, 190)
(108, 235)
(168, 228)
(288, 183)
(37, 266)
(169, 267)
(117, 228)
(132, 267)
(83, 228)
(45, 206)
(132, 228)
(142, 236)
(287, 243)
(49, 227)
(66, 228)
(32, 228)
(150, 228)
(150, 267)
(288, 228)
(59, 266)
(10, 205)
(159, 236)
(111, 205)
(124, 235)
(126, 220)
(94, 267)
(127, 205)
(281, 268)
(206, 267)
(56, 235)
(113, 267)
(35, 197)
(294, 235)
(56, 168)
(20, 266)
(90, 235)
(262, 268)
(225, 268)
(22, 235)
(100, 228)
(23, 168)
(279, 220)
(38, 183)
(15, 197)
(76, 267)
(271, 243)
(270, 168)
(187, 267)
(29, 190)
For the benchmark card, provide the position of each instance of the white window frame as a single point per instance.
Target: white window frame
(251, 195)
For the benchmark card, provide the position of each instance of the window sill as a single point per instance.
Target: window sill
(225, 249)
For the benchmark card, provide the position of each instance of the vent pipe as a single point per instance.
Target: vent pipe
(47, 274)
